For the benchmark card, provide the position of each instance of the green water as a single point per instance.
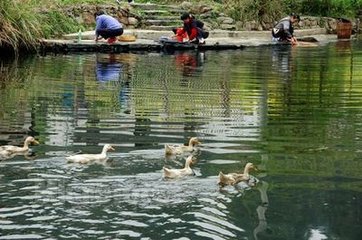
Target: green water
(294, 112)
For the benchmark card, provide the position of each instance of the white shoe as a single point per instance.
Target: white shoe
(201, 41)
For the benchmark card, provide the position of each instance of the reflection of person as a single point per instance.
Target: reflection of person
(109, 70)
(188, 62)
(107, 27)
(124, 97)
(193, 28)
(282, 59)
(261, 209)
(283, 30)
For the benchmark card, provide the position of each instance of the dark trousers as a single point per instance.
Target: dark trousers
(107, 33)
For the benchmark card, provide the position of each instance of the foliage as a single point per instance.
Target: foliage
(58, 23)
(334, 8)
(20, 27)
(247, 10)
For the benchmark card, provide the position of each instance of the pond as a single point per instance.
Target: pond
(293, 112)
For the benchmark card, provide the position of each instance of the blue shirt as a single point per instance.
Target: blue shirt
(107, 22)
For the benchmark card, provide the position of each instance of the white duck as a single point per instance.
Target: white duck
(10, 149)
(180, 149)
(234, 178)
(87, 158)
(176, 173)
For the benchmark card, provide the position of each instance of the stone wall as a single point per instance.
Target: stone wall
(132, 18)
(84, 14)
(307, 22)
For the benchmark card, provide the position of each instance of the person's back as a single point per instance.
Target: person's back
(199, 24)
(283, 24)
(107, 27)
(107, 22)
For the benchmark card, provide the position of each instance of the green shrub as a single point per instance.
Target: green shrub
(247, 10)
(331, 8)
(57, 23)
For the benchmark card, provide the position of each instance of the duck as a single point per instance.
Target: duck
(234, 178)
(87, 158)
(177, 173)
(180, 149)
(10, 149)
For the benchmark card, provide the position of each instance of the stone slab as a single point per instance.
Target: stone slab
(153, 34)
(214, 43)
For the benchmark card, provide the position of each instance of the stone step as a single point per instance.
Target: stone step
(163, 12)
(152, 6)
(160, 17)
(163, 17)
(163, 22)
(162, 28)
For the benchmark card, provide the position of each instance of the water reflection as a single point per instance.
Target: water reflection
(262, 227)
(282, 60)
(124, 96)
(118, 68)
(344, 46)
(108, 68)
(189, 62)
(234, 101)
(28, 155)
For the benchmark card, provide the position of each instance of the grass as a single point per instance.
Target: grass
(18, 27)
(24, 22)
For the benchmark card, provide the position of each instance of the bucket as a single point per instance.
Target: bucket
(344, 29)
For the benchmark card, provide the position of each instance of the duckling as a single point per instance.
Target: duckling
(180, 149)
(176, 173)
(234, 178)
(9, 149)
(87, 158)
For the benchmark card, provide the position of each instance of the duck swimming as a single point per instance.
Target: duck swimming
(180, 149)
(234, 178)
(176, 173)
(10, 149)
(87, 158)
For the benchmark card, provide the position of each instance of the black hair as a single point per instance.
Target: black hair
(185, 15)
(295, 16)
(98, 13)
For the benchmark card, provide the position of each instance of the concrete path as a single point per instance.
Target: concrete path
(148, 40)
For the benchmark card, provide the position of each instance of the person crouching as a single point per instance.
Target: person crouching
(193, 29)
(107, 27)
(283, 30)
